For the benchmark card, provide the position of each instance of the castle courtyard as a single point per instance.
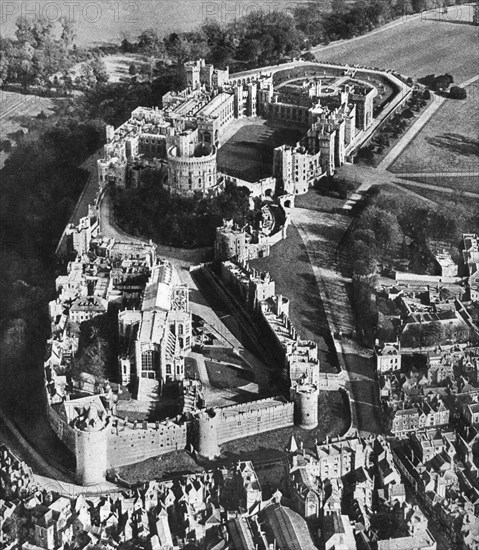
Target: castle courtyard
(248, 147)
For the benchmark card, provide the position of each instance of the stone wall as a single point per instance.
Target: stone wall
(253, 418)
(64, 432)
(127, 444)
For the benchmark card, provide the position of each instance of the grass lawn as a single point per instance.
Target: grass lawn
(291, 270)
(248, 154)
(118, 65)
(437, 196)
(333, 417)
(456, 183)
(177, 462)
(226, 376)
(417, 47)
(224, 354)
(448, 142)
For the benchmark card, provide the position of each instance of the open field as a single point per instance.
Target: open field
(448, 142)
(13, 108)
(248, 153)
(417, 47)
(118, 65)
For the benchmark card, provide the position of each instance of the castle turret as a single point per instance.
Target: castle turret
(305, 397)
(208, 433)
(91, 446)
(91, 457)
(110, 132)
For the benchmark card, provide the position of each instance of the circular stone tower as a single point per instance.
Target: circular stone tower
(208, 433)
(90, 447)
(305, 397)
(192, 173)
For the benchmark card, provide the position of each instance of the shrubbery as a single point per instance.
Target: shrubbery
(152, 212)
(456, 92)
(335, 187)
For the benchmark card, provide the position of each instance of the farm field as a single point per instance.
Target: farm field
(448, 142)
(13, 107)
(417, 47)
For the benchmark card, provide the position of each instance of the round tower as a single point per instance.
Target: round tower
(91, 457)
(305, 397)
(91, 446)
(192, 171)
(208, 433)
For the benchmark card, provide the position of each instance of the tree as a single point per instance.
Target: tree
(456, 92)
(365, 267)
(132, 70)
(93, 73)
(442, 82)
(7, 146)
(35, 31)
(148, 41)
(221, 42)
(383, 224)
(69, 33)
(94, 357)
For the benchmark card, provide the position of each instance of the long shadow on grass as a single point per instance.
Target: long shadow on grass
(456, 143)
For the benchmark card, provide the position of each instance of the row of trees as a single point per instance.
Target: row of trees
(433, 333)
(256, 38)
(260, 37)
(395, 127)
